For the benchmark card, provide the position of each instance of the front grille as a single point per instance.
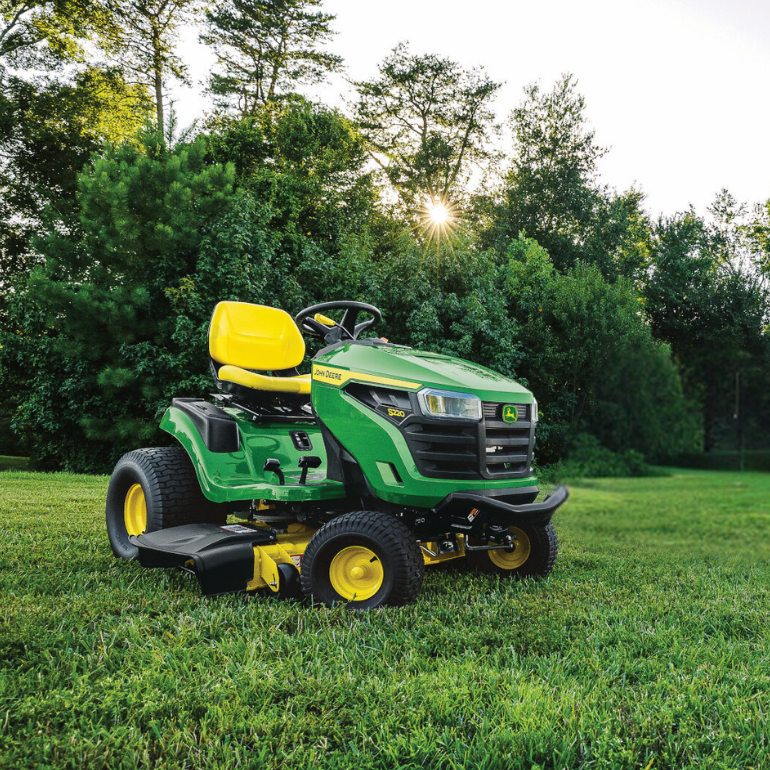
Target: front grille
(444, 451)
(490, 449)
(507, 445)
(457, 449)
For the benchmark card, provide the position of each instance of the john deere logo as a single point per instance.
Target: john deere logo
(510, 414)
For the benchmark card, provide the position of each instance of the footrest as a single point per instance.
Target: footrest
(222, 556)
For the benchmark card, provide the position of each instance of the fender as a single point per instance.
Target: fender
(227, 476)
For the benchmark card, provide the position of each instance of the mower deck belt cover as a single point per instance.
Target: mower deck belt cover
(222, 555)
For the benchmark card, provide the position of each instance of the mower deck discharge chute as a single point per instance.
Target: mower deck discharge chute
(349, 479)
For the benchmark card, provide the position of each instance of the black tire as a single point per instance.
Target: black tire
(167, 486)
(537, 547)
(375, 544)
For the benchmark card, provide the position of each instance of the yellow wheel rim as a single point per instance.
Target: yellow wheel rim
(135, 510)
(356, 573)
(513, 560)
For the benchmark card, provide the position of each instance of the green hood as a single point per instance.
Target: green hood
(416, 369)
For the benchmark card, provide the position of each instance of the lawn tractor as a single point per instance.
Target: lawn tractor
(345, 481)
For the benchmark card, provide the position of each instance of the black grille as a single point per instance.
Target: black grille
(458, 449)
(508, 445)
(444, 451)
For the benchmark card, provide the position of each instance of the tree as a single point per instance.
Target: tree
(265, 48)
(306, 163)
(708, 307)
(591, 360)
(44, 33)
(551, 192)
(100, 325)
(426, 122)
(142, 37)
(48, 130)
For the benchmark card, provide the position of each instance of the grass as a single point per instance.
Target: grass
(646, 648)
(8, 462)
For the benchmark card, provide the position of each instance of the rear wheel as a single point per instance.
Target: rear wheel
(366, 559)
(152, 489)
(534, 553)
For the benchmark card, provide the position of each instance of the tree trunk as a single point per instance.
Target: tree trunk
(159, 102)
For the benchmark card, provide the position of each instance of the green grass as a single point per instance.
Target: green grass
(646, 648)
(13, 463)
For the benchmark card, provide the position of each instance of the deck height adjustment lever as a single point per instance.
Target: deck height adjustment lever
(274, 466)
(306, 462)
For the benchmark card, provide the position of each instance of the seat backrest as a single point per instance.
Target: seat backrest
(254, 337)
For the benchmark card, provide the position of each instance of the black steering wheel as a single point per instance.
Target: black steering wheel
(347, 328)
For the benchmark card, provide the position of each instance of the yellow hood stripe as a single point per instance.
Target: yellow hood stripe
(339, 377)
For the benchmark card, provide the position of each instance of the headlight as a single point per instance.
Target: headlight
(446, 403)
(534, 410)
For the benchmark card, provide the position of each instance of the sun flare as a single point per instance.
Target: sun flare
(438, 213)
(437, 222)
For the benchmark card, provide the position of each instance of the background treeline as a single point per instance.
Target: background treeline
(119, 233)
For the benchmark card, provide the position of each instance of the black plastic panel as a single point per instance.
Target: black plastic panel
(218, 429)
(223, 555)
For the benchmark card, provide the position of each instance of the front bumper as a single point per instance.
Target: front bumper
(470, 512)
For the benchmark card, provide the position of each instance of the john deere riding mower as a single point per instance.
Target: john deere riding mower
(348, 480)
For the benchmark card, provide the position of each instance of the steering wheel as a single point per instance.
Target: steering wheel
(346, 328)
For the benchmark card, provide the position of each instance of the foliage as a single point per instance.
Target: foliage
(646, 646)
(304, 162)
(265, 49)
(589, 459)
(584, 340)
(45, 33)
(48, 130)
(459, 311)
(427, 122)
(107, 344)
(142, 35)
(711, 311)
(550, 192)
(757, 234)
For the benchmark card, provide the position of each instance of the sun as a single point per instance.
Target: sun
(438, 213)
(437, 221)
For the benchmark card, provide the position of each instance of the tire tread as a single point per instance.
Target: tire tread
(392, 535)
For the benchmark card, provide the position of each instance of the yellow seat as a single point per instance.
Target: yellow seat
(243, 336)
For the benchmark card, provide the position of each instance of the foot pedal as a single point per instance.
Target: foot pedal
(222, 556)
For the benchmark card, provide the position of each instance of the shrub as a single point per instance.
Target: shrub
(589, 459)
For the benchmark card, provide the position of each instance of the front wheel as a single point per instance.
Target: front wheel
(152, 489)
(534, 553)
(366, 559)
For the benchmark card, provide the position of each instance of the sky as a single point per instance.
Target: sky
(676, 89)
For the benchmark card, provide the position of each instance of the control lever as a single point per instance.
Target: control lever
(306, 462)
(274, 466)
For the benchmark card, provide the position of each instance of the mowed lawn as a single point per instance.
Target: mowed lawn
(648, 647)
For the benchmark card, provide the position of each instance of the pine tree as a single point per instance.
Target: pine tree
(101, 324)
(266, 48)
